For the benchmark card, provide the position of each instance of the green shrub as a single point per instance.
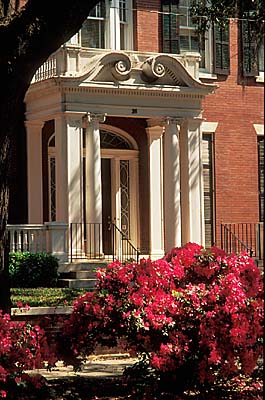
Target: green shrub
(33, 270)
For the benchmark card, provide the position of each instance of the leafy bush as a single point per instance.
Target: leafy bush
(33, 270)
(22, 347)
(194, 316)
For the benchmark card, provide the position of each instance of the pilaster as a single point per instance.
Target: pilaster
(155, 134)
(93, 180)
(34, 165)
(192, 182)
(172, 207)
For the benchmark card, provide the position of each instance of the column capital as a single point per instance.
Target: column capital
(96, 117)
(34, 124)
(154, 129)
(155, 122)
(172, 121)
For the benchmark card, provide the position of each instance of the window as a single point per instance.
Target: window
(252, 50)
(123, 14)
(179, 32)
(221, 49)
(261, 176)
(170, 27)
(109, 25)
(93, 29)
(207, 160)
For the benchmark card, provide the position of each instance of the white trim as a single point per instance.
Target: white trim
(206, 75)
(260, 77)
(209, 126)
(121, 154)
(259, 128)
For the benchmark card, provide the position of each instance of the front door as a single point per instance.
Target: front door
(119, 196)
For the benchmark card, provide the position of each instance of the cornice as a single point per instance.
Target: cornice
(187, 93)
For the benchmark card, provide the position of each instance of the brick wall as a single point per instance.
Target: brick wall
(236, 106)
(147, 25)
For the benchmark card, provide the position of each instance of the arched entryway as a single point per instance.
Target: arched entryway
(119, 178)
(119, 183)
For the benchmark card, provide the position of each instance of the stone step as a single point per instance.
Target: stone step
(78, 283)
(78, 275)
(82, 266)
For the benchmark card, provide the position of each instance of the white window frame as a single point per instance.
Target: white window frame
(112, 27)
(207, 70)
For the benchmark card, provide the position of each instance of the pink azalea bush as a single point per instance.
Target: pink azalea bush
(194, 314)
(22, 347)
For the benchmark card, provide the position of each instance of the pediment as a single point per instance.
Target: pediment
(124, 69)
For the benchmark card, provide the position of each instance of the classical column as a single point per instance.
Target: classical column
(69, 176)
(93, 182)
(69, 168)
(34, 165)
(155, 133)
(192, 182)
(172, 185)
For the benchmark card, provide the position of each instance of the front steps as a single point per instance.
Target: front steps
(80, 275)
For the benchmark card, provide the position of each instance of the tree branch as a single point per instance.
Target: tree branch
(30, 35)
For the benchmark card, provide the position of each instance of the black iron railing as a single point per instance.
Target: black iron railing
(96, 241)
(122, 249)
(239, 237)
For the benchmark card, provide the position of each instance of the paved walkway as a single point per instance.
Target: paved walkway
(110, 365)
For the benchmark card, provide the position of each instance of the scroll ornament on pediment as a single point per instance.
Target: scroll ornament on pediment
(165, 69)
(110, 67)
(162, 69)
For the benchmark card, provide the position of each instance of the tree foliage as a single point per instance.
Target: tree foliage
(219, 12)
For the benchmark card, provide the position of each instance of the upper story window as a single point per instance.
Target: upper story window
(108, 26)
(93, 29)
(221, 49)
(252, 50)
(179, 32)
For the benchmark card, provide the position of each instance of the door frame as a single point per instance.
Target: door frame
(116, 155)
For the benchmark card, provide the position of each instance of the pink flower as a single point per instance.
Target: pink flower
(19, 304)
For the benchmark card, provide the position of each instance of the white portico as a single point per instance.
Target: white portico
(116, 136)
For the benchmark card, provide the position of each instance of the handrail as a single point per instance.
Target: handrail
(88, 241)
(236, 237)
(235, 244)
(122, 247)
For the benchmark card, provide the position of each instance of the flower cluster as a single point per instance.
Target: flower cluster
(22, 347)
(196, 309)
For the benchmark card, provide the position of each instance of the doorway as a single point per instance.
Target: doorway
(106, 204)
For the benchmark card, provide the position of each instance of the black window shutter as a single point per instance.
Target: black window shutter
(221, 50)
(207, 160)
(249, 49)
(170, 26)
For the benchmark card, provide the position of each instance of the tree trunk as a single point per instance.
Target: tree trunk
(27, 38)
(4, 200)
(10, 117)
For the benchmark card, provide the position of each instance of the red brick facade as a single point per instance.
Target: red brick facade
(237, 105)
